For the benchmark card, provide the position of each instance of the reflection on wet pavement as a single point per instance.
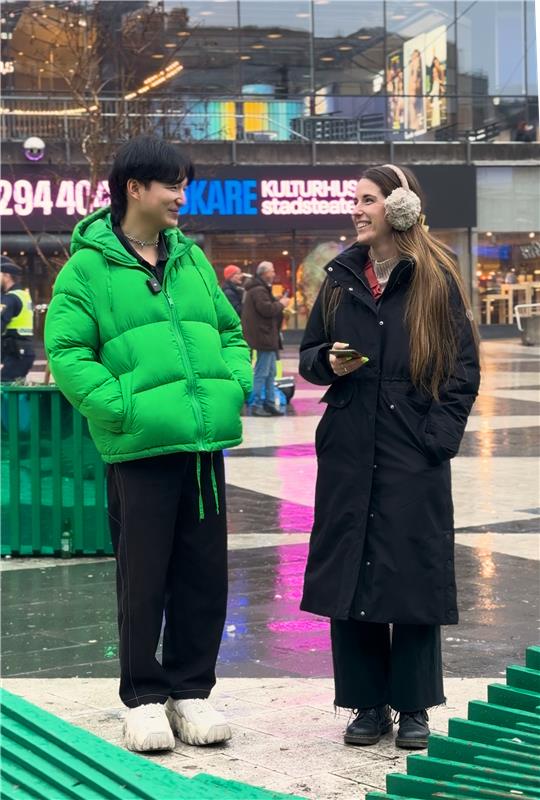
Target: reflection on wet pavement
(60, 620)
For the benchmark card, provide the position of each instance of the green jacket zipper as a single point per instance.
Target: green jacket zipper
(181, 343)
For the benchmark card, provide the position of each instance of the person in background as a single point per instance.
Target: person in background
(262, 316)
(142, 341)
(17, 319)
(232, 287)
(381, 556)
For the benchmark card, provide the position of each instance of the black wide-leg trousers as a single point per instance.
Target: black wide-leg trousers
(169, 562)
(374, 665)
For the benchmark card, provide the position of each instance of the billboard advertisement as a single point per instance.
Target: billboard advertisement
(235, 198)
(435, 80)
(395, 91)
(414, 73)
(418, 73)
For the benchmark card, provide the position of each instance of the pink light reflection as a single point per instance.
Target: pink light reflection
(294, 631)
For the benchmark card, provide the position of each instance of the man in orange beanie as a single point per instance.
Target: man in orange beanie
(232, 287)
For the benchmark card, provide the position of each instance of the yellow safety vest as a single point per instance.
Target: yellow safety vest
(23, 323)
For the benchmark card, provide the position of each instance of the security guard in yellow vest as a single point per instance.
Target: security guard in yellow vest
(17, 317)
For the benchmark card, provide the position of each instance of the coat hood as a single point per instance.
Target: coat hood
(95, 231)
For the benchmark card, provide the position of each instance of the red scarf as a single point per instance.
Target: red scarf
(374, 284)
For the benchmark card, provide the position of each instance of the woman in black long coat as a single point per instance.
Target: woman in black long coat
(382, 546)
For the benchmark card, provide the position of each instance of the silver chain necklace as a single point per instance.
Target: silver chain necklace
(142, 242)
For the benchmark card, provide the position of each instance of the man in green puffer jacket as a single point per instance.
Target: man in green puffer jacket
(142, 341)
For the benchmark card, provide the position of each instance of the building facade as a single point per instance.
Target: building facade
(281, 105)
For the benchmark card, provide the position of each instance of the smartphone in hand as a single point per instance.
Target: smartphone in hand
(348, 352)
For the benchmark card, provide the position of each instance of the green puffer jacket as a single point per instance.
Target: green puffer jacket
(154, 373)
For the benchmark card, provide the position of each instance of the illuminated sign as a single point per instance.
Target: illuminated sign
(235, 198)
(223, 197)
(269, 197)
(502, 252)
(23, 197)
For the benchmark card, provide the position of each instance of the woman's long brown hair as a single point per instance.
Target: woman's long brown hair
(432, 331)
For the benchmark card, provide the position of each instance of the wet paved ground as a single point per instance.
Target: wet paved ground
(59, 618)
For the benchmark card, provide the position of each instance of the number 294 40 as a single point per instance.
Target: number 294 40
(22, 197)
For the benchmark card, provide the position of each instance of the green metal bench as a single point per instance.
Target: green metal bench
(46, 758)
(492, 755)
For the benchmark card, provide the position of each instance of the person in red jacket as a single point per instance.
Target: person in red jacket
(262, 315)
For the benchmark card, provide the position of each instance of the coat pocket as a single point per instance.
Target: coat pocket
(411, 412)
(126, 387)
(339, 393)
(337, 398)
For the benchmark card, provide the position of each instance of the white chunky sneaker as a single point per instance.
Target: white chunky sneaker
(197, 722)
(147, 728)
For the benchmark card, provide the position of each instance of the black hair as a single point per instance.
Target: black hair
(147, 159)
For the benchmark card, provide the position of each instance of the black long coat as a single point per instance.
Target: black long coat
(382, 545)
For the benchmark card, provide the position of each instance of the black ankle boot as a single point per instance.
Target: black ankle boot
(368, 726)
(413, 731)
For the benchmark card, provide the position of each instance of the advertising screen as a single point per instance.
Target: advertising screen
(258, 199)
(424, 81)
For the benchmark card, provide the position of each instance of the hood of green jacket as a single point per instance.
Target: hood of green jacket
(95, 231)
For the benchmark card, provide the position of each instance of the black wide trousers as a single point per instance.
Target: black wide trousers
(374, 665)
(172, 564)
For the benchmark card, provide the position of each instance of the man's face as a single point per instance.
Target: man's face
(159, 203)
(269, 275)
(6, 280)
(237, 278)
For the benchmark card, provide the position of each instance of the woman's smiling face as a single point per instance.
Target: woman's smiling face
(369, 214)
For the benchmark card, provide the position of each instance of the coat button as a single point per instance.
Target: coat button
(330, 269)
(392, 406)
(371, 515)
(368, 563)
(381, 322)
(362, 613)
(374, 466)
(350, 289)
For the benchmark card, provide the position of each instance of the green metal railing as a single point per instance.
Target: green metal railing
(53, 478)
(492, 755)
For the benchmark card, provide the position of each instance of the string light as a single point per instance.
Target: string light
(63, 112)
(156, 80)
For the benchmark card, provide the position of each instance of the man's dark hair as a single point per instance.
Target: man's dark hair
(147, 159)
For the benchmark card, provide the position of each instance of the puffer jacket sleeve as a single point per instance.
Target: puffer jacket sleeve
(314, 365)
(448, 416)
(72, 346)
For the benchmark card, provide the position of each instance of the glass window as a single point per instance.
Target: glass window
(491, 44)
(208, 36)
(348, 48)
(532, 66)
(420, 66)
(508, 198)
(275, 48)
(507, 273)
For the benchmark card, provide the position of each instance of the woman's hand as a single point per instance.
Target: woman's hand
(342, 366)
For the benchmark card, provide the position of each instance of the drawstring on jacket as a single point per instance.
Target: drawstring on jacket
(214, 486)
